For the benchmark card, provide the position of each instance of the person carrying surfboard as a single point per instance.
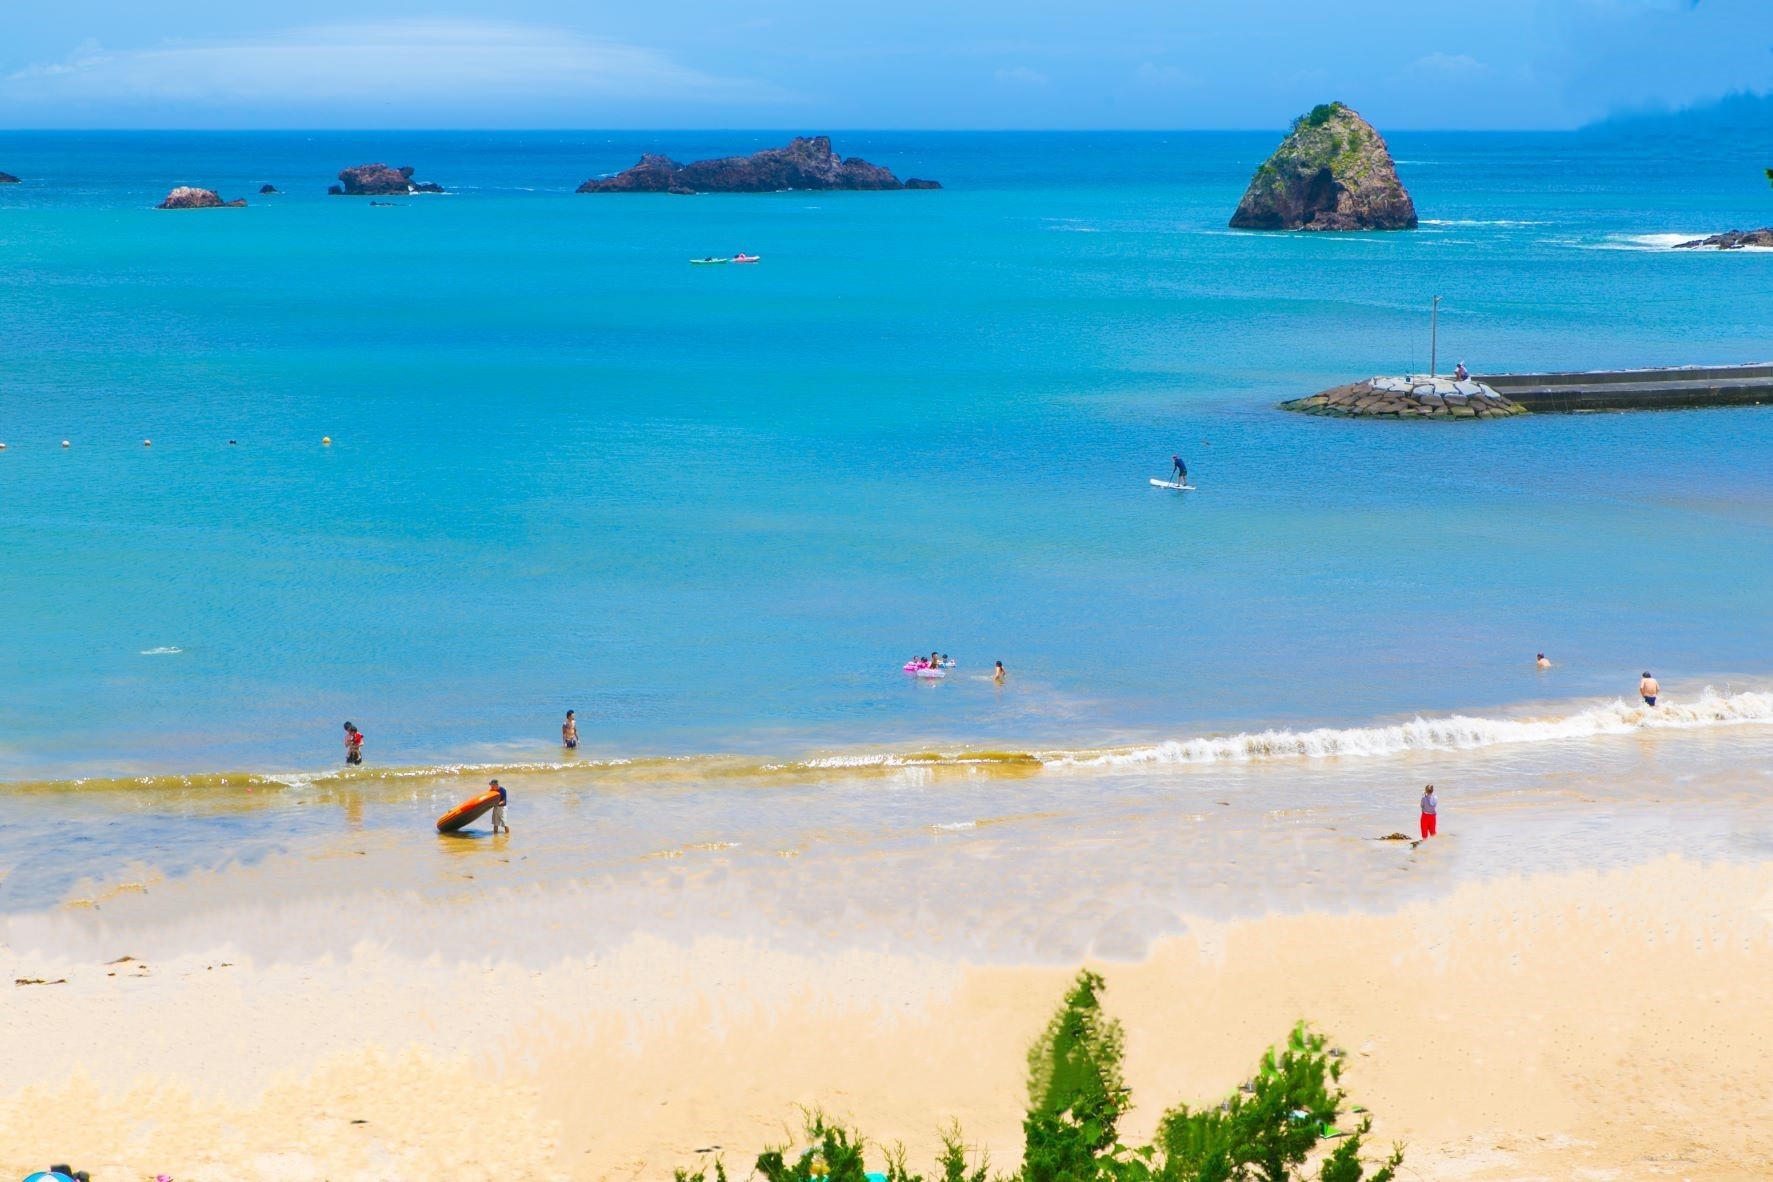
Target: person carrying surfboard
(498, 810)
(1181, 470)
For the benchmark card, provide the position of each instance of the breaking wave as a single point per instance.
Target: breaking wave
(1454, 732)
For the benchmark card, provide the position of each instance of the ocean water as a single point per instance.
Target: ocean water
(715, 509)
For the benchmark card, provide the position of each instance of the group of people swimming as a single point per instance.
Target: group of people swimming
(933, 661)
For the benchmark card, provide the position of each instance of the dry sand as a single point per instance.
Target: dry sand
(1594, 1025)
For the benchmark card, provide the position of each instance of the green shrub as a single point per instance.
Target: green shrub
(1264, 1132)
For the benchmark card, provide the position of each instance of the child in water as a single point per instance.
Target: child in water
(569, 732)
(353, 744)
(998, 674)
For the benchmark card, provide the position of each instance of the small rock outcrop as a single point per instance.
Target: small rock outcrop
(379, 180)
(806, 163)
(1732, 240)
(264, 190)
(1414, 397)
(1333, 172)
(6, 178)
(189, 197)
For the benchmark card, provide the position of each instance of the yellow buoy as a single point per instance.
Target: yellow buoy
(327, 440)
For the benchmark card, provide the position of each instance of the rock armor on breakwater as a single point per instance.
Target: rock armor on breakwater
(1413, 397)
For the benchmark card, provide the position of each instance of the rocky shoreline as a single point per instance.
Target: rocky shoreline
(1761, 239)
(1413, 397)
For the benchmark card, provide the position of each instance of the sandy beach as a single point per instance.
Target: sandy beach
(1592, 1024)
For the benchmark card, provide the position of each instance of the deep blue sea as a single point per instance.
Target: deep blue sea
(714, 509)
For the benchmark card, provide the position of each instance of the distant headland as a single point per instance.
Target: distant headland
(6, 178)
(807, 162)
(1332, 172)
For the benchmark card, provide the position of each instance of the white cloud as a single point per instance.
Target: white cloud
(1451, 66)
(373, 63)
(1156, 77)
(1020, 76)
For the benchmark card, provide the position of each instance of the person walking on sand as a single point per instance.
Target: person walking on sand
(353, 744)
(1648, 689)
(998, 674)
(569, 732)
(498, 810)
(1430, 810)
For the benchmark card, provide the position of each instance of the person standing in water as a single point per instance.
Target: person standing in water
(1179, 471)
(1542, 662)
(498, 810)
(1648, 689)
(1430, 810)
(998, 674)
(353, 744)
(569, 732)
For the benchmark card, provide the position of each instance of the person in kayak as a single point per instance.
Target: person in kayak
(1181, 470)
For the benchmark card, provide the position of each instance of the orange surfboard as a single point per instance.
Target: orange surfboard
(464, 814)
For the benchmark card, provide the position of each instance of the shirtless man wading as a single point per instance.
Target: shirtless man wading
(1648, 689)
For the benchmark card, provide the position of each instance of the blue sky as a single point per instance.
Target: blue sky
(814, 64)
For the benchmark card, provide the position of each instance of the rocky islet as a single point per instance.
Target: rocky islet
(191, 197)
(1332, 172)
(807, 162)
(380, 180)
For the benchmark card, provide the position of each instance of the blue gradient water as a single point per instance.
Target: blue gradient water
(716, 508)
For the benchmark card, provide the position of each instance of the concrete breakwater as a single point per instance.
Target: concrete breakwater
(1496, 396)
(1637, 389)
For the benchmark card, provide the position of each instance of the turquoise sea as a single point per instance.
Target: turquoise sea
(714, 509)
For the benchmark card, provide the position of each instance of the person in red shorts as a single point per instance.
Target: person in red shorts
(1430, 808)
(353, 744)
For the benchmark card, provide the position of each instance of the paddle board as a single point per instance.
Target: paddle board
(467, 813)
(1156, 483)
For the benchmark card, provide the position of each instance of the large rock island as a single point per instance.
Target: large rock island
(1333, 172)
(190, 197)
(379, 180)
(806, 163)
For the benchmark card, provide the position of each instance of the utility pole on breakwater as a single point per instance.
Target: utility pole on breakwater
(1434, 331)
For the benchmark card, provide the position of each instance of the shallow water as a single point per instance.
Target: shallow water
(980, 863)
(714, 509)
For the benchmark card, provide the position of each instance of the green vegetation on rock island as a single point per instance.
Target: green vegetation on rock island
(1272, 1129)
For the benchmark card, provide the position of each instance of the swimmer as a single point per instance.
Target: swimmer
(353, 744)
(1542, 662)
(569, 732)
(947, 661)
(1648, 689)
(998, 674)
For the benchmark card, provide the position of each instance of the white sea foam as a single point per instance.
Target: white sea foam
(1480, 222)
(1659, 242)
(165, 650)
(1456, 732)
